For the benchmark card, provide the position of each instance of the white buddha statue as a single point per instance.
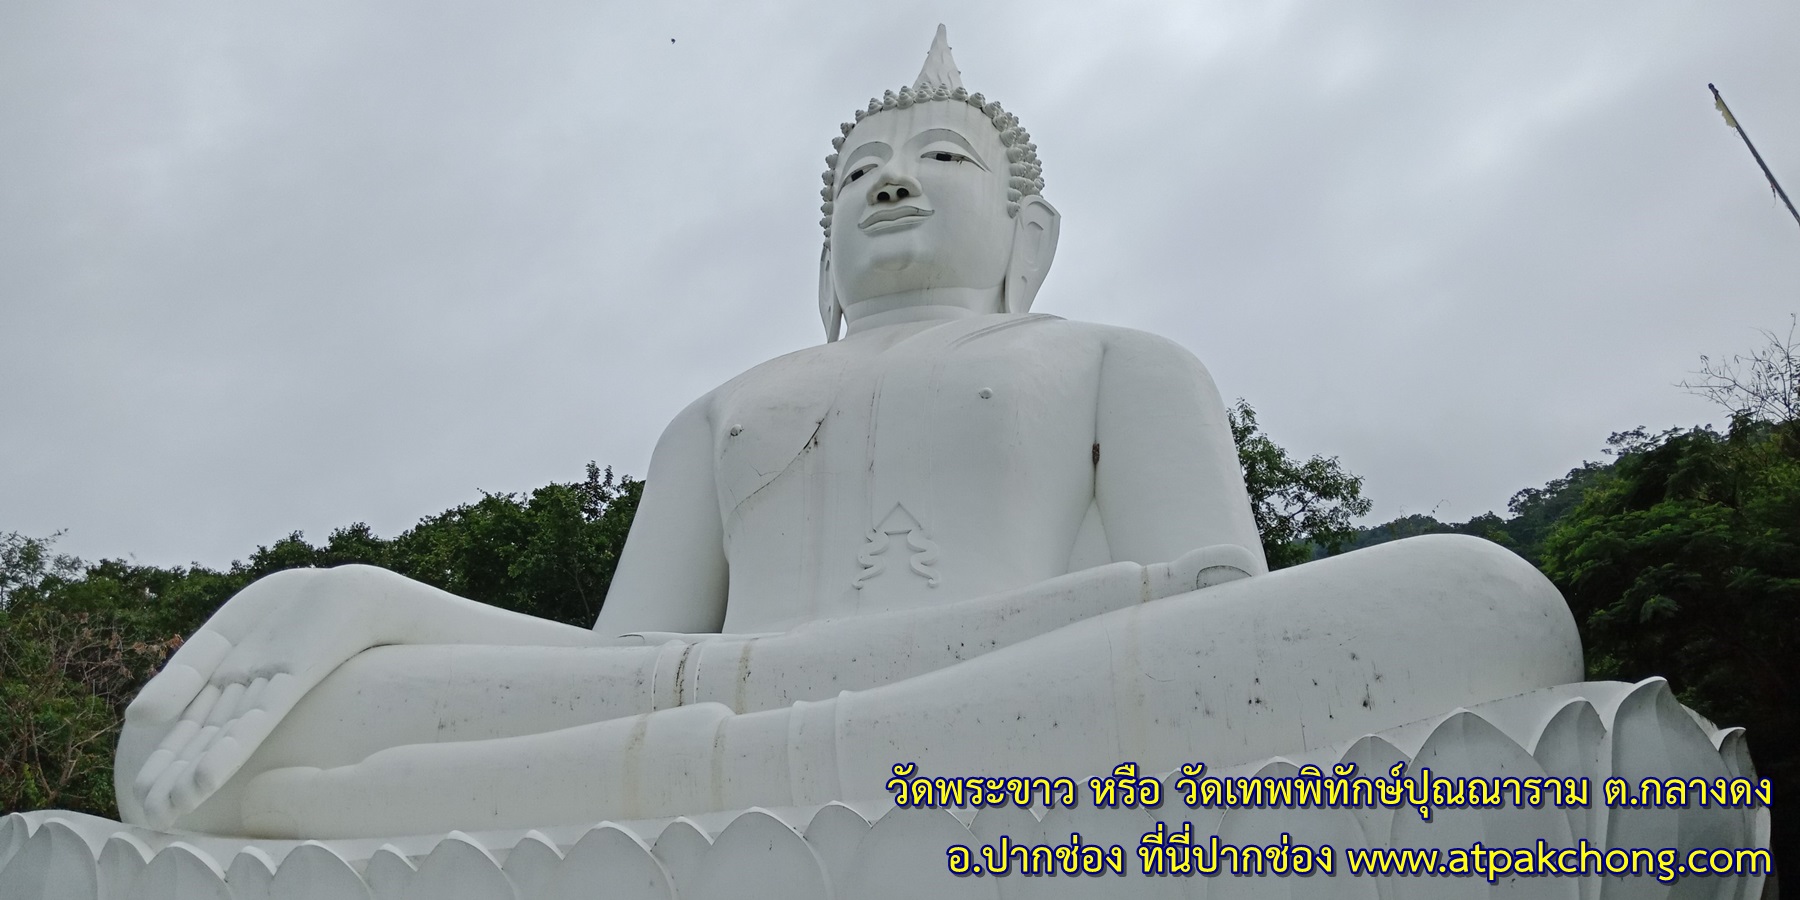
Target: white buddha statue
(962, 534)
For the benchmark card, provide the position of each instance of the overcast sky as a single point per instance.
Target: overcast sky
(279, 266)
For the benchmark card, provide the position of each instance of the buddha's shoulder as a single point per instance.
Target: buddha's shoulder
(802, 372)
(804, 364)
(1117, 335)
(1118, 342)
(1035, 330)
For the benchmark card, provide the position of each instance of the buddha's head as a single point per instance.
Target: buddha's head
(933, 192)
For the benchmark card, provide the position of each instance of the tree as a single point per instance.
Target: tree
(1682, 559)
(1763, 384)
(1535, 511)
(25, 562)
(549, 554)
(70, 660)
(1302, 509)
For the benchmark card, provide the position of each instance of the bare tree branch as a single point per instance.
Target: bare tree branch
(1763, 384)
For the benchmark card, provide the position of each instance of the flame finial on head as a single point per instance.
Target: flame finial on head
(940, 70)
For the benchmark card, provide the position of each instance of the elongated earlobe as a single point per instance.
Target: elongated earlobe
(831, 312)
(1035, 231)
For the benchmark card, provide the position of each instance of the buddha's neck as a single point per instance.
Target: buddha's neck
(925, 305)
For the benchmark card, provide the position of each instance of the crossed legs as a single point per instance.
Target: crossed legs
(1297, 659)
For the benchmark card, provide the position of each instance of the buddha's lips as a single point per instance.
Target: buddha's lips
(894, 214)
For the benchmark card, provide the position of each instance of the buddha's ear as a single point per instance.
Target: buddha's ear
(1034, 246)
(831, 312)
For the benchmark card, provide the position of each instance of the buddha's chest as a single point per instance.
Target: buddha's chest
(953, 464)
(965, 409)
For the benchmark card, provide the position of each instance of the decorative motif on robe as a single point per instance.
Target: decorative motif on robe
(897, 522)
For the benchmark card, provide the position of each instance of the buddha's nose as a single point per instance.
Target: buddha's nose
(893, 188)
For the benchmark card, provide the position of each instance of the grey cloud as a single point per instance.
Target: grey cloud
(297, 265)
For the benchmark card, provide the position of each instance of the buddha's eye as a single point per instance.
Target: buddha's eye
(947, 156)
(855, 174)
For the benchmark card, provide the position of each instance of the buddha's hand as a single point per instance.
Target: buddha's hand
(230, 684)
(1200, 569)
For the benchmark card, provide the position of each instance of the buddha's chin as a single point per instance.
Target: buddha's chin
(895, 252)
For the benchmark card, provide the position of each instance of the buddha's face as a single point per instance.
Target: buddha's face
(920, 203)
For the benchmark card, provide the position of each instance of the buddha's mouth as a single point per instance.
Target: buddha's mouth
(900, 214)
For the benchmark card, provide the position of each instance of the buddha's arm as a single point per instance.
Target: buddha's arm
(672, 576)
(1166, 479)
(819, 659)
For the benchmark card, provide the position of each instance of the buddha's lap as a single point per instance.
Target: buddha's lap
(1369, 639)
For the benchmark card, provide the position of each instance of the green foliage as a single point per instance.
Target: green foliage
(25, 562)
(1534, 511)
(1301, 508)
(1683, 560)
(73, 652)
(1691, 536)
(550, 553)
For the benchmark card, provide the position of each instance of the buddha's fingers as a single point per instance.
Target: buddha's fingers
(187, 673)
(229, 749)
(153, 768)
(157, 806)
(184, 795)
(204, 764)
(177, 790)
(230, 746)
(227, 707)
(277, 694)
(167, 752)
(191, 721)
(253, 695)
(154, 799)
(173, 783)
(222, 760)
(197, 744)
(168, 749)
(238, 699)
(186, 738)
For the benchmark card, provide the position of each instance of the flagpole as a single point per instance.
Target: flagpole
(1719, 101)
